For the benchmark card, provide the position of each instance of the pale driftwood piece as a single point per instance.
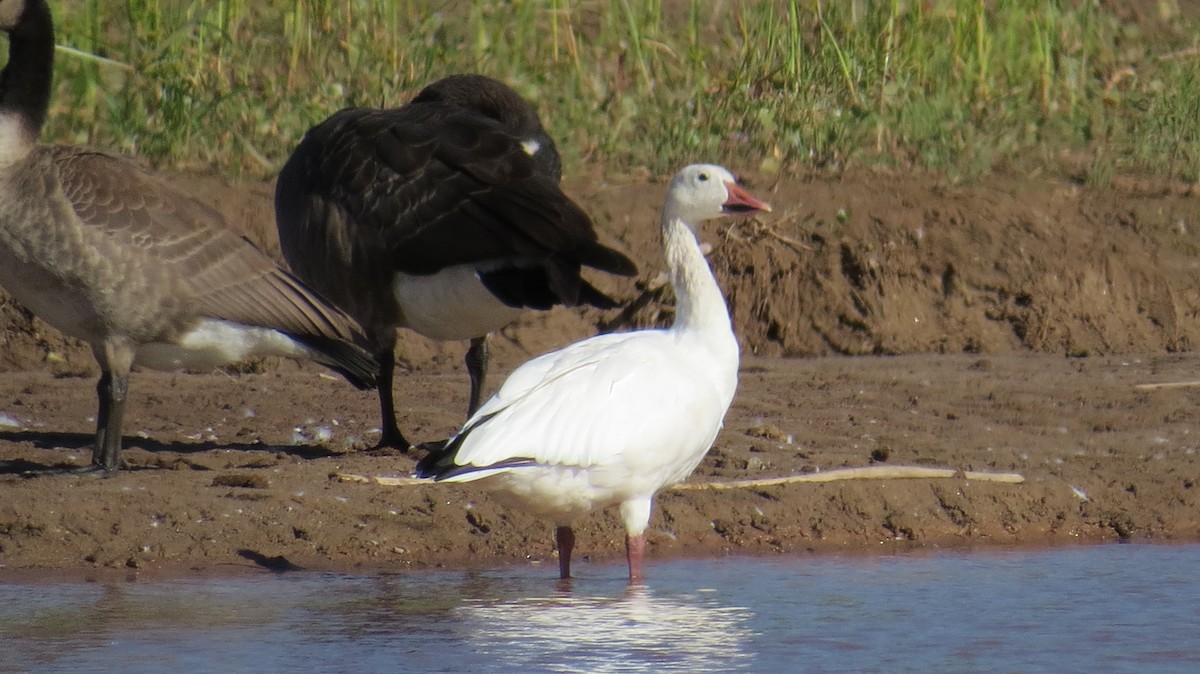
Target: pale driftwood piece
(385, 480)
(858, 473)
(1166, 385)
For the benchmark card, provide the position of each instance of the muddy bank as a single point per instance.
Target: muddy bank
(224, 471)
(886, 319)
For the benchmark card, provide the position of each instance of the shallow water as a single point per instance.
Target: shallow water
(1101, 608)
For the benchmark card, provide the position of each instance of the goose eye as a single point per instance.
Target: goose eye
(703, 177)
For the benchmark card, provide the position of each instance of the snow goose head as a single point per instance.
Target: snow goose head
(705, 191)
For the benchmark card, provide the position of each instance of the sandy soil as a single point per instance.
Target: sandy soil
(885, 320)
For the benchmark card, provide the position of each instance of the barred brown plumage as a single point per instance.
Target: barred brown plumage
(146, 274)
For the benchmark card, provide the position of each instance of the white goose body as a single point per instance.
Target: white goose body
(607, 420)
(612, 419)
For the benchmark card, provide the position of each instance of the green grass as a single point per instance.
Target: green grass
(959, 86)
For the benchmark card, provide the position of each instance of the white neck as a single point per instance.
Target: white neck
(699, 304)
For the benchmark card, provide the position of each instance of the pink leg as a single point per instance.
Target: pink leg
(635, 549)
(566, 543)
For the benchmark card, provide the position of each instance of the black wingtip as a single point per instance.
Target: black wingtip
(440, 461)
(439, 464)
(439, 470)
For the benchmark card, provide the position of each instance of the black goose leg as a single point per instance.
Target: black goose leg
(477, 361)
(391, 435)
(112, 390)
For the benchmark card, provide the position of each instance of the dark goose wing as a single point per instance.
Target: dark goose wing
(430, 186)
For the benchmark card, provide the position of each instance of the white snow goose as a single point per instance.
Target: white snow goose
(145, 274)
(443, 216)
(612, 419)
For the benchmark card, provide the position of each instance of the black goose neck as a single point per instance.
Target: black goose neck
(26, 78)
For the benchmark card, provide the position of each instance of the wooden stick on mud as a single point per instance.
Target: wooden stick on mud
(858, 473)
(1166, 384)
(385, 480)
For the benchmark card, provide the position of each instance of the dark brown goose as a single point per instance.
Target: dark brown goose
(443, 216)
(144, 273)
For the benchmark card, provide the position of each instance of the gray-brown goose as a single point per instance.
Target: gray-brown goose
(443, 216)
(145, 274)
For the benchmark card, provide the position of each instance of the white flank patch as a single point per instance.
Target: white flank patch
(451, 304)
(214, 343)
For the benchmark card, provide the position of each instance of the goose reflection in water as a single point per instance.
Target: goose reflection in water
(628, 632)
